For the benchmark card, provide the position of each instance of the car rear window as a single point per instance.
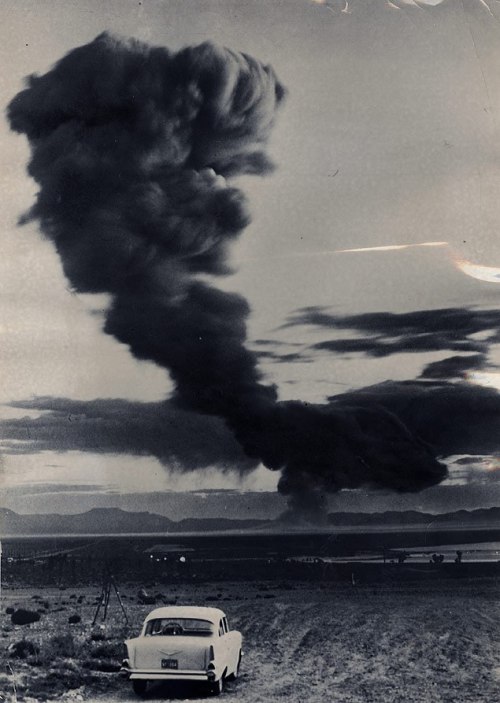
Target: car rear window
(169, 627)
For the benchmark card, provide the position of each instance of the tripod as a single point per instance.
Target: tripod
(108, 583)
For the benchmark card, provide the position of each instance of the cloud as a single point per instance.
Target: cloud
(466, 460)
(410, 344)
(132, 147)
(347, 7)
(181, 439)
(452, 418)
(318, 449)
(278, 358)
(386, 333)
(45, 489)
(279, 352)
(454, 366)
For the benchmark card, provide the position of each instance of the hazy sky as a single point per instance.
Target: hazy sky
(389, 135)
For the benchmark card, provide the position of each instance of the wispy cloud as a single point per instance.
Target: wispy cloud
(382, 334)
(454, 366)
(390, 247)
(489, 274)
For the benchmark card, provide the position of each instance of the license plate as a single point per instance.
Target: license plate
(169, 664)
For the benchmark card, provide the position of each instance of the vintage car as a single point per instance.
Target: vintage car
(183, 643)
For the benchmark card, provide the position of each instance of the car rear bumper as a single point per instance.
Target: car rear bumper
(162, 675)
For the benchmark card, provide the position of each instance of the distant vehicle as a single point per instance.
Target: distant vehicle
(183, 643)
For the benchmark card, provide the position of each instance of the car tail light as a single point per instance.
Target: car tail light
(211, 664)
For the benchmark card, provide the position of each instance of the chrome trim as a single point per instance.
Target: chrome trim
(159, 675)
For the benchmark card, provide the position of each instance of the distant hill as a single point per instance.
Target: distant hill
(468, 518)
(117, 521)
(93, 521)
(112, 521)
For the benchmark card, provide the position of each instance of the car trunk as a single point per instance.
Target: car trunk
(172, 653)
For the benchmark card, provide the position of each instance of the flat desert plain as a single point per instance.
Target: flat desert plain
(303, 642)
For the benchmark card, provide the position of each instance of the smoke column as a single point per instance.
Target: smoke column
(132, 147)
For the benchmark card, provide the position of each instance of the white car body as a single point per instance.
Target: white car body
(183, 643)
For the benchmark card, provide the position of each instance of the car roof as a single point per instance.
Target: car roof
(186, 611)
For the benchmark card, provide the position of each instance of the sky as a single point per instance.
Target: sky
(388, 136)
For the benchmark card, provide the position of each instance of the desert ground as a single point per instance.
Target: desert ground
(362, 643)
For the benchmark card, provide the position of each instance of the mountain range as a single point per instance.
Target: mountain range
(117, 521)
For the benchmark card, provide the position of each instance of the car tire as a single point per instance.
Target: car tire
(139, 687)
(216, 687)
(235, 674)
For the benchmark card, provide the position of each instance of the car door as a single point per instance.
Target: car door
(232, 645)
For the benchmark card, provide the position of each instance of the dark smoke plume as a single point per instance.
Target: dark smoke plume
(131, 148)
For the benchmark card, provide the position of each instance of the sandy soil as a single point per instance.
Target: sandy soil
(386, 644)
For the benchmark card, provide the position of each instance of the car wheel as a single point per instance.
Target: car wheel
(139, 687)
(234, 675)
(216, 687)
